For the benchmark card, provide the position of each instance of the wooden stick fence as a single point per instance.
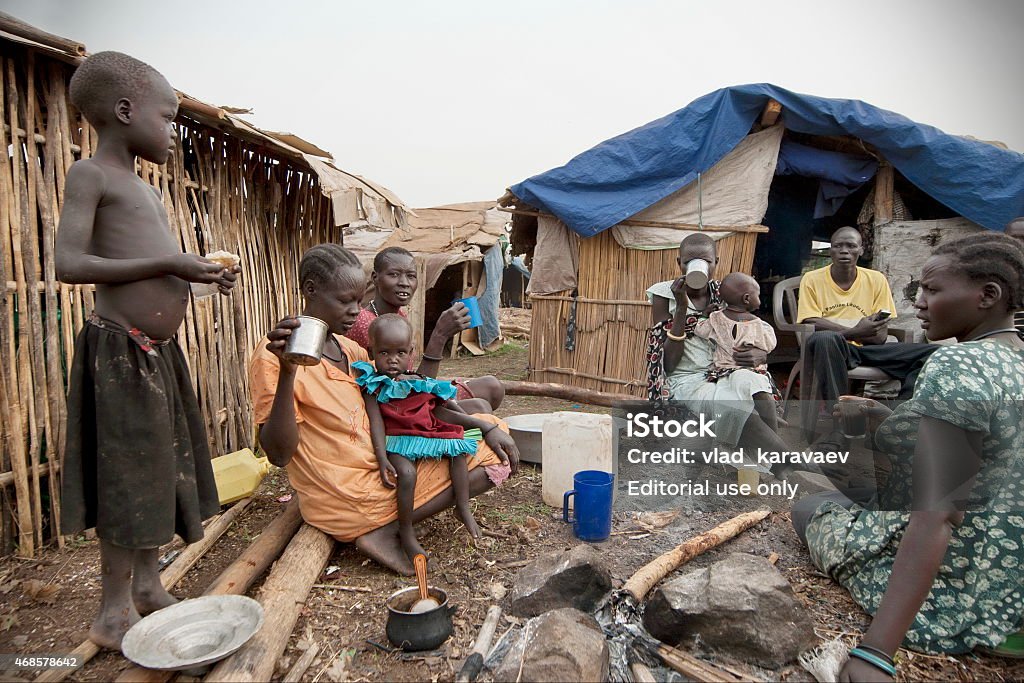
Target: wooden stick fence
(612, 313)
(220, 192)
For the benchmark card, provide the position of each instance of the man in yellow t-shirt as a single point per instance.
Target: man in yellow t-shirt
(850, 307)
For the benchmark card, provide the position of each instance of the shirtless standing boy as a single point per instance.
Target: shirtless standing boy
(136, 465)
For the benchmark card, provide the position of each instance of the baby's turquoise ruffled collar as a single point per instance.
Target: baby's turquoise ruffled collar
(387, 389)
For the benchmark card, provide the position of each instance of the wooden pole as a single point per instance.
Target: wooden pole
(566, 393)
(654, 571)
(294, 674)
(475, 662)
(250, 565)
(283, 595)
(191, 554)
(884, 193)
(17, 27)
(695, 669)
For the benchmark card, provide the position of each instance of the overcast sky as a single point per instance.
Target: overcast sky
(454, 100)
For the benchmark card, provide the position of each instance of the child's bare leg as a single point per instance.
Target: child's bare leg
(405, 493)
(148, 593)
(459, 473)
(764, 404)
(117, 612)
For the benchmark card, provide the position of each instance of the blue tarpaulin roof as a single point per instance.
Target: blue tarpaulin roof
(624, 175)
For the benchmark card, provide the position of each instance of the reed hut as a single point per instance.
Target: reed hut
(229, 185)
(458, 253)
(762, 170)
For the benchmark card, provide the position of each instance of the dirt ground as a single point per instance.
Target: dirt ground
(46, 604)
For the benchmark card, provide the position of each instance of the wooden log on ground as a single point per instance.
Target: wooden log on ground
(191, 554)
(695, 669)
(250, 565)
(294, 674)
(168, 578)
(641, 674)
(654, 571)
(282, 597)
(566, 393)
(475, 662)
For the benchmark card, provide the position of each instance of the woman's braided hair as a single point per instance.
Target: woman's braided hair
(322, 263)
(987, 256)
(382, 257)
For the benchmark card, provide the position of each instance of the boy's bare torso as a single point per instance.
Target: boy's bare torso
(131, 222)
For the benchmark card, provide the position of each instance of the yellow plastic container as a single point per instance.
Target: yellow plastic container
(238, 474)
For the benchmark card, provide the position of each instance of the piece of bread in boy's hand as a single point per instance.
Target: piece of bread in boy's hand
(223, 258)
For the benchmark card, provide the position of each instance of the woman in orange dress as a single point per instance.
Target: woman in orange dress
(312, 420)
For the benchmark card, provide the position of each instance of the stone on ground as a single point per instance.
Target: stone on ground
(740, 606)
(561, 645)
(575, 578)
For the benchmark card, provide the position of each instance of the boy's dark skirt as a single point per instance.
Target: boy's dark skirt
(137, 465)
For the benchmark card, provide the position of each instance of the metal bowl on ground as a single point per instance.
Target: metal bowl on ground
(526, 431)
(193, 633)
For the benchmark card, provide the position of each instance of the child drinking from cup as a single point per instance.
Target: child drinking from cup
(734, 328)
(413, 417)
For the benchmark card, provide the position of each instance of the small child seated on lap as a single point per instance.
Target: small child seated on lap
(413, 417)
(735, 327)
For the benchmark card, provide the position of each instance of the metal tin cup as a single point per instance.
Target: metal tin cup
(853, 423)
(696, 276)
(306, 343)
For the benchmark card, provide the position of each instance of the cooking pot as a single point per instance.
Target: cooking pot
(414, 631)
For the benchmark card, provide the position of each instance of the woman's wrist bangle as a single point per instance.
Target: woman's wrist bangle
(674, 337)
(434, 358)
(876, 651)
(874, 660)
(485, 432)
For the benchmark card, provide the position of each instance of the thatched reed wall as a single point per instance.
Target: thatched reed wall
(612, 313)
(220, 191)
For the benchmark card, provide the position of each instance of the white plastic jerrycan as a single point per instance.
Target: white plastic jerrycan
(573, 442)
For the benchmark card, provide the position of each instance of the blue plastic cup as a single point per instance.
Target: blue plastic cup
(471, 302)
(592, 511)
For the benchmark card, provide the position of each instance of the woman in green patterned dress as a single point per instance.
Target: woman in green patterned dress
(936, 555)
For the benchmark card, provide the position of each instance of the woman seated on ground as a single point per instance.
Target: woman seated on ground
(313, 420)
(395, 282)
(935, 554)
(679, 360)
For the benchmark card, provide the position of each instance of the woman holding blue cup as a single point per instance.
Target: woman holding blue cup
(395, 282)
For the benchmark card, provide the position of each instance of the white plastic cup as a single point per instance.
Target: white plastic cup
(696, 276)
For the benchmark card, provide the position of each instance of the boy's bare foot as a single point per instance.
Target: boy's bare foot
(149, 599)
(383, 547)
(109, 627)
(465, 515)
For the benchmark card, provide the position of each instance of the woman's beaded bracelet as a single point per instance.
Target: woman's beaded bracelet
(874, 660)
(433, 358)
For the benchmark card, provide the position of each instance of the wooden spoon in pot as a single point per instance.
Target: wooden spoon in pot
(426, 602)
